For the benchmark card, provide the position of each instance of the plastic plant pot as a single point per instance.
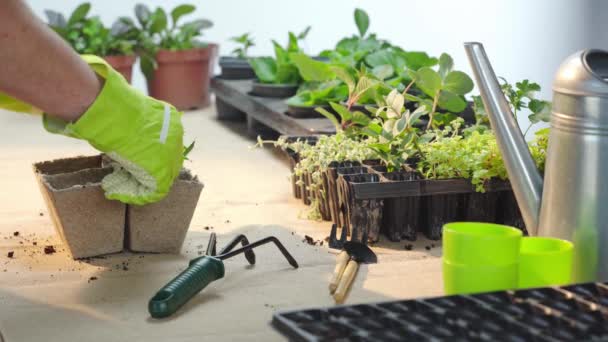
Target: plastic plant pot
(273, 90)
(480, 244)
(544, 262)
(464, 279)
(234, 68)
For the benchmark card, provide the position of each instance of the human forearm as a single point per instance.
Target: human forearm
(38, 67)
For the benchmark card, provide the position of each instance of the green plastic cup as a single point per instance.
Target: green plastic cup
(480, 244)
(544, 262)
(465, 279)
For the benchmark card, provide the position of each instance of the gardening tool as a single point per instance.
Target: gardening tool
(573, 196)
(203, 270)
(336, 243)
(347, 265)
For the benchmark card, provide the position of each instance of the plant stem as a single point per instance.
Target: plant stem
(527, 129)
(433, 110)
(408, 88)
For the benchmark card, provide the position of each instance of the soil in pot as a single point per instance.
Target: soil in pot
(87, 222)
(182, 77)
(161, 227)
(233, 68)
(122, 64)
(273, 90)
(442, 209)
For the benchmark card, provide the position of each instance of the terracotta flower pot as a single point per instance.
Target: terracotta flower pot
(161, 227)
(122, 64)
(182, 77)
(87, 222)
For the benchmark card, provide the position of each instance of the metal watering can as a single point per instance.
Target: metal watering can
(572, 204)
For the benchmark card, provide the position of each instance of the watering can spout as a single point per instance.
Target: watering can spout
(525, 178)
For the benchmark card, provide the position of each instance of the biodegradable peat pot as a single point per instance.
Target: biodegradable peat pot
(123, 64)
(161, 227)
(234, 68)
(87, 222)
(273, 90)
(182, 77)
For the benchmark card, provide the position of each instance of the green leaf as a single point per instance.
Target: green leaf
(281, 55)
(55, 19)
(415, 116)
(362, 21)
(381, 147)
(79, 14)
(292, 46)
(415, 60)
(458, 82)
(147, 65)
(541, 111)
(446, 64)
(330, 116)
(379, 57)
(344, 113)
(158, 21)
(312, 70)
(188, 149)
(343, 74)
(265, 69)
(287, 74)
(180, 11)
(400, 125)
(383, 72)
(451, 102)
(197, 25)
(302, 35)
(142, 13)
(360, 118)
(122, 26)
(428, 81)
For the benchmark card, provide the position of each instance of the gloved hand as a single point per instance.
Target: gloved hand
(142, 135)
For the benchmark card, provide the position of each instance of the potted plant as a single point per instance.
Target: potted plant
(175, 63)
(279, 76)
(88, 35)
(237, 67)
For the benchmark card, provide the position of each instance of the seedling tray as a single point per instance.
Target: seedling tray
(571, 313)
(262, 113)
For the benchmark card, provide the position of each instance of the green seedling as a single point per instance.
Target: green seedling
(188, 149)
(245, 41)
(280, 69)
(88, 35)
(156, 31)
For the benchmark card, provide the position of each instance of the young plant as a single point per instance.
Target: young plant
(156, 32)
(443, 88)
(88, 35)
(281, 69)
(245, 41)
(188, 149)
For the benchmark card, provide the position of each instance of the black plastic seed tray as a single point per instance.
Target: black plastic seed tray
(572, 313)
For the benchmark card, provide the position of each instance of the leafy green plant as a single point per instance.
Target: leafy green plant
(156, 31)
(188, 149)
(281, 69)
(88, 35)
(315, 159)
(245, 41)
(443, 88)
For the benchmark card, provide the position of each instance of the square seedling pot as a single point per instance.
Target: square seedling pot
(161, 227)
(87, 222)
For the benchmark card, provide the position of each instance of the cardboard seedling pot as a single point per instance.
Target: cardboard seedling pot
(161, 227)
(87, 222)
(122, 64)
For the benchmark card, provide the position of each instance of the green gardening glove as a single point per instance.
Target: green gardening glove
(142, 135)
(14, 105)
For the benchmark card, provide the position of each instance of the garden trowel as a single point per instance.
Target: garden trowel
(347, 265)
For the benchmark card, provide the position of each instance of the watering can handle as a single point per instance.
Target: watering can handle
(200, 273)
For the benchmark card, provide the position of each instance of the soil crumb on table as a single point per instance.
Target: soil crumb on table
(49, 249)
(10, 254)
(408, 247)
(92, 279)
(16, 234)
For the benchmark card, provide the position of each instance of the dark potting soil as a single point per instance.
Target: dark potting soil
(408, 247)
(16, 234)
(49, 249)
(92, 279)
(10, 254)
